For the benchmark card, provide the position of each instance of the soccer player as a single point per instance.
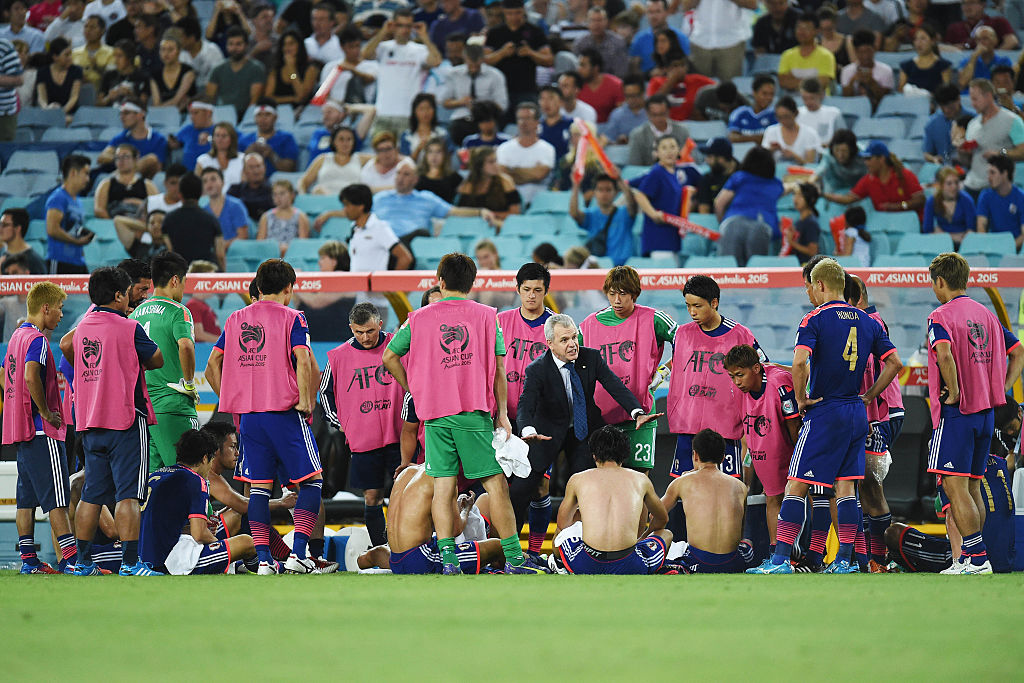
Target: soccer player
(968, 375)
(172, 387)
(106, 547)
(262, 369)
(701, 394)
(142, 281)
(33, 421)
(112, 412)
(631, 339)
(608, 500)
(176, 500)
(714, 505)
(771, 422)
(523, 327)
(363, 400)
(835, 339)
(456, 357)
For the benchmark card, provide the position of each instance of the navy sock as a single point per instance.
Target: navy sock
(373, 516)
(130, 552)
(849, 517)
(27, 548)
(244, 525)
(315, 547)
(791, 520)
(974, 549)
(259, 522)
(821, 520)
(307, 507)
(539, 518)
(84, 551)
(876, 534)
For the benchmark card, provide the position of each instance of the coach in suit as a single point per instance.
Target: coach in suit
(557, 409)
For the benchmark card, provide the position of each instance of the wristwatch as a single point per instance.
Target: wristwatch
(903, 205)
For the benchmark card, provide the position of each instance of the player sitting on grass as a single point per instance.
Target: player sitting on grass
(608, 501)
(412, 544)
(106, 553)
(176, 500)
(714, 505)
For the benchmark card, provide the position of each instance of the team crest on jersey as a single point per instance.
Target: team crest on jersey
(977, 335)
(10, 371)
(454, 338)
(252, 338)
(758, 424)
(92, 351)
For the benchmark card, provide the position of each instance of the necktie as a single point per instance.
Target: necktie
(579, 403)
(472, 85)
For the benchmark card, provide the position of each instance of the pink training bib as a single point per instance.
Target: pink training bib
(18, 425)
(368, 398)
(524, 344)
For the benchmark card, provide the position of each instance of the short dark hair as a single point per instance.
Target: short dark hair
(190, 27)
(575, 76)
(363, 313)
(553, 89)
(100, 20)
(175, 170)
(703, 286)
(275, 275)
(634, 79)
(194, 446)
(855, 215)
(236, 32)
(191, 187)
(16, 260)
(709, 446)
(254, 289)
(655, 99)
(219, 431)
(759, 161)
(946, 93)
(851, 289)
(425, 299)
(1003, 165)
(741, 356)
(1001, 69)
(73, 162)
(106, 283)
(603, 178)
(484, 110)
(57, 45)
(358, 194)
(810, 85)
(726, 91)
(864, 37)
(809, 266)
(595, 58)
(458, 272)
(787, 102)
(548, 253)
(127, 47)
(20, 218)
(166, 265)
(533, 271)
(624, 279)
(609, 444)
(809, 17)
(761, 80)
(349, 34)
(137, 269)
(403, 12)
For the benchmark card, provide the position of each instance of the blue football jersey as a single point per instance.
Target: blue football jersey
(175, 494)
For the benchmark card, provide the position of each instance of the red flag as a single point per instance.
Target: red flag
(837, 225)
(685, 225)
(579, 165)
(686, 153)
(786, 226)
(587, 135)
(325, 88)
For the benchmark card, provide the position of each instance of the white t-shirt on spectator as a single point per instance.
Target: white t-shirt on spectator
(374, 178)
(511, 154)
(824, 121)
(806, 139)
(327, 52)
(158, 202)
(401, 69)
(370, 247)
(882, 74)
(861, 249)
(109, 13)
(366, 66)
(582, 111)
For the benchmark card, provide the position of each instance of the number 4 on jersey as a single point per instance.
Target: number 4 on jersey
(850, 350)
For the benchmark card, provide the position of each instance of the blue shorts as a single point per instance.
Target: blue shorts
(278, 440)
(879, 438)
(242, 470)
(895, 426)
(960, 443)
(683, 460)
(646, 557)
(831, 444)
(426, 559)
(214, 558)
(42, 474)
(116, 463)
(107, 556)
(373, 469)
(699, 561)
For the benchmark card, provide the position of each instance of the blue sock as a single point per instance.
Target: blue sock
(315, 547)
(539, 518)
(974, 548)
(821, 520)
(791, 520)
(130, 552)
(849, 518)
(259, 522)
(373, 516)
(876, 533)
(84, 551)
(27, 548)
(307, 507)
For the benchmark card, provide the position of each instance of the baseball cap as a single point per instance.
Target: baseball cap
(875, 148)
(720, 147)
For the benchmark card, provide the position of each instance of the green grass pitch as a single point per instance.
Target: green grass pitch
(366, 628)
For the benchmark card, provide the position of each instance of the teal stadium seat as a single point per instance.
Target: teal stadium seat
(552, 201)
(245, 256)
(900, 261)
(894, 222)
(928, 246)
(993, 245)
(316, 204)
(703, 262)
(790, 261)
(302, 254)
(336, 229)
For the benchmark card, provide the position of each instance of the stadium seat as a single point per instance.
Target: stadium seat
(696, 245)
(311, 115)
(510, 248)
(245, 256)
(316, 204)
(854, 108)
(906, 106)
(1012, 261)
(900, 261)
(928, 246)
(618, 154)
(336, 229)
(894, 221)
(879, 129)
(916, 130)
(630, 172)
(104, 229)
(39, 119)
(702, 131)
(744, 84)
(767, 63)
(225, 112)
(164, 119)
(466, 226)
(908, 150)
(848, 261)
(926, 175)
(653, 262)
(790, 261)
(16, 203)
(17, 184)
(740, 149)
(562, 242)
(100, 253)
(433, 248)
(302, 254)
(25, 161)
(976, 260)
(552, 201)
(711, 262)
(880, 245)
(66, 135)
(525, 227)
(96, 117)
(994, 245)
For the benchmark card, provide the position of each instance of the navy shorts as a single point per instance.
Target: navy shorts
(242, 469)
(646, 557)
(879, 438)
(276, 440)
(214, 558)
(42, 474)
(107, 556)
(920, 552)
(373, 469)
(426, 559)
(683, 460)
(699, 561)
(116, 463)
(831, 444)
(895, 427)
(960, 443)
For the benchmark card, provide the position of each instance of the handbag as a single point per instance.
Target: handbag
(598, 244)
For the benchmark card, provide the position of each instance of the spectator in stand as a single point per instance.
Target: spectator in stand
(775, 31)
(486, 255)
(993, 132)
(142, 237)
(746, 208)
(721, 29)
(202, 55)
(293, 77)
(277, 147)
(615, 223)
(373, 245)
(855, 240)
(964, 34)
(486, 116)
(666, 49)
(229, 211)
(607, 44)
(59, 85)
(18, 65)
(592, 168)
(123, 28)
(546, 254)
(69, 25)
(1001, 205)
(123, 79)
(721, 163)
(574, 25)
(855, 17)
(950, 209)
(194, 137)
(147, 43)
(679, 85)
(865, 76)
(435, 171)
(982, 60)
(517, 48)
(890, 185)
(227, 14)
(42, 13)
(94, 57)
(204, 320)
(718, 103)
(657, 193)
(554, 124)
(298, 14)
(151, 144)
(630, 114)
(179, 9)
(263, 37)
(1002, 81)
(488, 187)
(65, 233)
(284, 222)
(903, 31)
(356, 74)
(327, 312)
(643, 139)
(174, 84)
(254, 191)
(824, 119)
(379, 172)
(468, 84)
(806, 234)
(787, 139)
(841, 165)
(889, 10)
(570, 83)
(125, 192)
(334, 114)
(641, 50)
(938, 147)
(456, 19)
(603, 92)
(192, 231)
(323, 45)
(747, 124)
(927, 70)
(18, 29)
(526, 157)
(422, 127)
(239, 80)
(807, 59)
(831, 39)
(328, 174)
(13, 226)
(223, 154)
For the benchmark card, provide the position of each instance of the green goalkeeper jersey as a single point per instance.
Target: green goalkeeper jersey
(166, 321)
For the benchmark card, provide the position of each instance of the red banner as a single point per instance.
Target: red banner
(684, 226)
(325, 88)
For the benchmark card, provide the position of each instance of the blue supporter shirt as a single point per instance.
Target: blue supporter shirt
(406, 213)
(983, 69)
(744, 121)
(232, 217)
(194, 141)
(643, 47)
(840, 338)
(936, 136)
(282, 143)
(620, 232)
(155, 143)
(320, 143)
(70, 222)
(174, 496)
(557, 135)
(1004, 214)
(755, 198)
(964, 216)
(663, 190)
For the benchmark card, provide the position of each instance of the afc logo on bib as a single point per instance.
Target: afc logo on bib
(454, 342)
(252, 338)
(623, 351)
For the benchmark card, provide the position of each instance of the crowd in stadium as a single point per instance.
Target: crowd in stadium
(191, 126)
